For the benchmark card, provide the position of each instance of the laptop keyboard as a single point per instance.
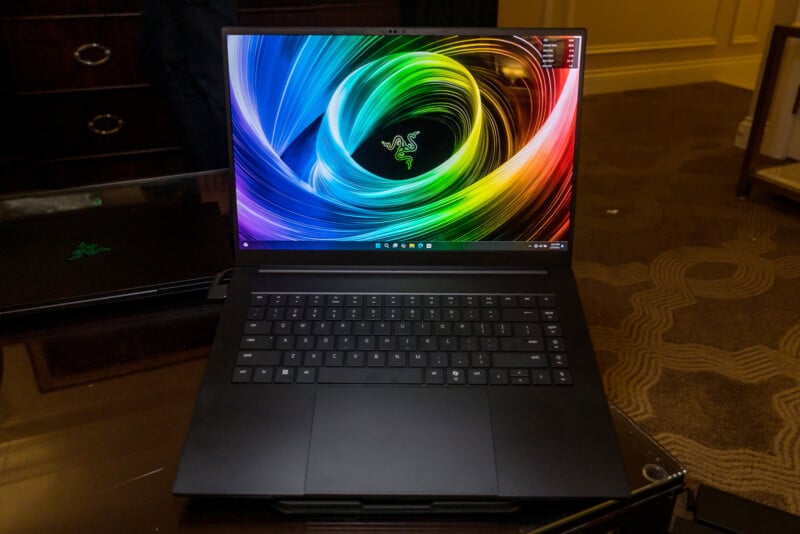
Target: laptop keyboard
(436, 339)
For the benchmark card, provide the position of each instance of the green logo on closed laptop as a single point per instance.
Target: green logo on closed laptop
(402, 147)
(87, 249)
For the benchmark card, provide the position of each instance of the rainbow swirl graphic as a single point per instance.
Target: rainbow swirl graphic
(310, 113)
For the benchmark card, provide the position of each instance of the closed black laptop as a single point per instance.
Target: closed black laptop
(403, 325)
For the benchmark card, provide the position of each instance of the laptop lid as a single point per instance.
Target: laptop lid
(404, 146)
(111, 242)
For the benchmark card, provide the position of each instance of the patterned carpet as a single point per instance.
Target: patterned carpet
(692, 296)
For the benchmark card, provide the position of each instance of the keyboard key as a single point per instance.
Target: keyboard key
(540, 377)
(325, 342)
(451, 301)
(361, 328)
(502, 329)
(373, 314)
(282, 327)
(284, 343)
(257, 327)
(520, 359)
(334, 314)
(434, 376)
(456, 377)
(346, 342)
(552, 329)
(354, 358)
(520, 315)
(562, 377)
(305, 342)
(314, 314)
(418, 359)
(508, 301)
(382, 328)
(558, 359)
(284, 375)
(335, 300)
(292, 358)
(334, 358)
(366, 342)
(490, 314)
(522, 344)
(527, 329)
(263, 375)
(396, 359)
(477, 376)
(367, 375)
(438, 359)
(273, 300)
(306, 375)
(242, 374)
(498, 376)
(459, 359)
(258, 299)
(256, 313)
(412, 301)
(555, 344)
(393, 300)
(546, 301)
(376, 358)
(258, 357)
(550, 316)
(312, 358)
(322, 327)
(480, 359)
(256, 342)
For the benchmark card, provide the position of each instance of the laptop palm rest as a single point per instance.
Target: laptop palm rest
(397, 441)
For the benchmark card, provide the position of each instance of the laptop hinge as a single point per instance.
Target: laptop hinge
(305, 269)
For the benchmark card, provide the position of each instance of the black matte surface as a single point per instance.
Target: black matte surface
(401, 441)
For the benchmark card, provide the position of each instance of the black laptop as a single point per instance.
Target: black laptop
(403, 326)
(107, 243)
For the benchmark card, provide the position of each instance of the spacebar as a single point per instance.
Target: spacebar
(369, 375)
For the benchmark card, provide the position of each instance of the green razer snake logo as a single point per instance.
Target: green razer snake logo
(402, 147)
(87, 249)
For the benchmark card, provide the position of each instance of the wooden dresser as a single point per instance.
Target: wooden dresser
(77, 106)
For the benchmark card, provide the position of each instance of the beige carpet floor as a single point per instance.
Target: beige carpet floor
(692, 295)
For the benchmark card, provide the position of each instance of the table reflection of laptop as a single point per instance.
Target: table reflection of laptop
(109, 243)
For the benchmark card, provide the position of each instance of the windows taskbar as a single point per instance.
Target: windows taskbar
(491, 246)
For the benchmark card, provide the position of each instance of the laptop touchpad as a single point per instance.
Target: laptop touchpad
(372, 440)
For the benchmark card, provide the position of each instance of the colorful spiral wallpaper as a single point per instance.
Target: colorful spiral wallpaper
(343, 139)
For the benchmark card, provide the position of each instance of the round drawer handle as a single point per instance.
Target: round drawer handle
(105, 124)
(96, 54)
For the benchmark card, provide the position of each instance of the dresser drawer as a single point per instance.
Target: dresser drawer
(63, 53)
(28, 8)
(89, 123)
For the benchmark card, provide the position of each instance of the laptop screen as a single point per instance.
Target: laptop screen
(404, 140)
